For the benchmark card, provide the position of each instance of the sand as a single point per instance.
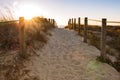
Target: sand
(66, 57)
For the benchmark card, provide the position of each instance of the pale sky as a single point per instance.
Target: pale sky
(62, 10)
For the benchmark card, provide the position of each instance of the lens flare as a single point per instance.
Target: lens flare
(29, 11)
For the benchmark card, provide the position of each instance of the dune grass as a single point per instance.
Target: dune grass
(113, 40)
(36, 32)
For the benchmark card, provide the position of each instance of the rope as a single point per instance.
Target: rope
(107, 21)
(9, 21)
(113, 22)
(95, 20)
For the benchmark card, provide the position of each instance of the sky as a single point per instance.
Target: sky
(62, 10)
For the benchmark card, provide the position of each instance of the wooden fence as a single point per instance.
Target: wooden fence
(85, 35)
(22, 40)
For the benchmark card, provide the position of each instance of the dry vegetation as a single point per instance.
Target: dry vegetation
(11, 63)
(113, 41)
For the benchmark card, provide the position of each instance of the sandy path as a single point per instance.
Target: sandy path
(66, 57)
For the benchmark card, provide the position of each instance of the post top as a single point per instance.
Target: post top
(21, 18)
(104, 19)
(86, 17)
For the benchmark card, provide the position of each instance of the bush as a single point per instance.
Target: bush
(94, 40)
(9, 36)
(35, 29)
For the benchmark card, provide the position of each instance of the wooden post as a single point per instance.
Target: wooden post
(53, 22)
(22, 37)
(103, 39)
(45, 19)
(69, 24)
(85, 29)
(74, 23)
(79, 25)
(49, 20)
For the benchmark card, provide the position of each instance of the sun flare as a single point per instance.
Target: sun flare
(29, 11)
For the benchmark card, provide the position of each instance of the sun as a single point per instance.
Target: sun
(29, 11)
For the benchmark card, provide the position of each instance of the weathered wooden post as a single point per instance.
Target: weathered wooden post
(85, 29)
(53, 22)
(45, 19)
(69, 24)
(74, 23)
(49, 20)
(79, 25)
(68, 21)
(103, 39)
(22, 37)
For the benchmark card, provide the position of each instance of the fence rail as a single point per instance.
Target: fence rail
(9, 21)
(106, 22)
